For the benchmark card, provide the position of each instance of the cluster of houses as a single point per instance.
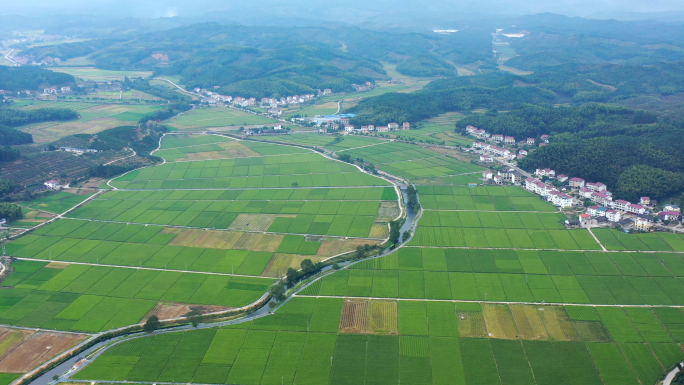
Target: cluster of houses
(363, 87)
(499, 138)
(372, 128)
(55, 90)
(273, 104)
(490, 149)
(549, 192)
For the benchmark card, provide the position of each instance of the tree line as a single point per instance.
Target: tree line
(12, 117)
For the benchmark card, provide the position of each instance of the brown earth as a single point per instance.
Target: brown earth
(36, 349)
(166, 311)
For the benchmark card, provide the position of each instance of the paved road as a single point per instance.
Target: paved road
(481, 301)
(141, 268)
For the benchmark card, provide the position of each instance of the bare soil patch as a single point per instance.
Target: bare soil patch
(37, 349)
(165, 311)
(369, 317)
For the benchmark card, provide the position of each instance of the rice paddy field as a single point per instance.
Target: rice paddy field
(491, 289)
(201, 118)
(344, 341)
(87, 298)
(56, 203)
(95, 117)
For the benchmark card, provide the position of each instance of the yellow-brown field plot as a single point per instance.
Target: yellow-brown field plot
(369, 317)
(388, 211)
(334, 246)
(230, 150)
(252, 222)
(379, 230)
(529, 322)
(278, 265)
(34, 348)
(94, 74)
(259, 242)
(217, 117)
(9, 338)
(499, 320)
(51, 131)
(471, 324)
(558, 324)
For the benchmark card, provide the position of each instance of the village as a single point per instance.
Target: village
(589, 204)
(273, 105)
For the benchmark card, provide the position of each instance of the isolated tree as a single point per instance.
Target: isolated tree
(194, 317)
(152, 324)
(278, 292)
(360, 253)
(407, 235)
(295, 184)
(307, 266)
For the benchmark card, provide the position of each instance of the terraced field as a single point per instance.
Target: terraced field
(491, 289)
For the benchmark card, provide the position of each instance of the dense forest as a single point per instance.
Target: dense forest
(584, 122)
(427, 64)
(13, 118)
(272, 73)
(12, 136)
(30, 78)
(439, 98)
(630, 166)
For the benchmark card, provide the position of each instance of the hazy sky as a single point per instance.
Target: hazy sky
(309, 8)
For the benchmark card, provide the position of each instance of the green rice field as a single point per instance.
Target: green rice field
(491, 289)
(303, 343)
(94, 298)
(56, 203)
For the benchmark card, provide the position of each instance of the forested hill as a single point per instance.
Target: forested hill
(275, 72)
(31, 78)
(576, 122)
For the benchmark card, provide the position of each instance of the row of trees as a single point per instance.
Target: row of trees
(13, 117)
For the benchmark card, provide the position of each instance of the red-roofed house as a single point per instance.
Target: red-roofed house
(621, 205)
(530, 141)
(669, 216)
(598, 186)
(585, 192)
(509, 140)
(645, 201)
(393, 126)
(486, 159)
(636, 209)
(562, 178)
(406, 126)
(498, 137)
(601, 198)
(545, 172)
(522, 152)
(487, 174)
(585, 219)
(576, 182)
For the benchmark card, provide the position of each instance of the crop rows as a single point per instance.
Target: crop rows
(504, 238)
(301, 344)
(508, 220)
(94, 298)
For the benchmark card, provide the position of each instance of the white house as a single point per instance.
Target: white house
(530, 141)
(669, 215)
(613, 215)
(672, 208)
(393, 126)
(645, 201)
(545, 172)
(406, 126)
(52, 184)
(486, 159)
(497, 138)
(593, 211)
(596, 187)
(621, 205)
(487, 174)
(348, 128)
(509, 140)
(562, 178)
(643, 222)
(585, 193)
(635, 209)
(278, 127)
